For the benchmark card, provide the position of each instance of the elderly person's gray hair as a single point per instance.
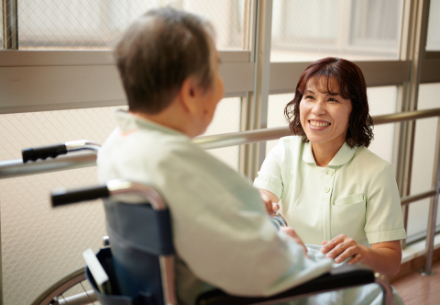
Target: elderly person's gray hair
(158, 52)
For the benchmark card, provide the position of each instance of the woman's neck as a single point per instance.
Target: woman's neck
(324, 152)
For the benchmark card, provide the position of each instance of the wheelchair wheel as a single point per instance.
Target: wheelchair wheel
(71, 289)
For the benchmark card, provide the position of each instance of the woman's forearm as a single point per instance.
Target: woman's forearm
(384, 258)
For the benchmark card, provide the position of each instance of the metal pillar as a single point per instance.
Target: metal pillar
(10, 25)
(413, 44)
(257, 101)
(433, 207)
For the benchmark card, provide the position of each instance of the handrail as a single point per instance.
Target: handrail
(409, 199)
(258, 135)
(241, 137)
(14, 168)
(32, 159)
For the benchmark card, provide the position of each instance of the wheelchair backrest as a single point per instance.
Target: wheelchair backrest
(139, 237)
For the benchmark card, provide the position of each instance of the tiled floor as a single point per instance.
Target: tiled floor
(416, 289)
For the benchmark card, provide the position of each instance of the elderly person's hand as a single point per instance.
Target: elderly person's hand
(270, 202)
(291, 233)
(342, 247)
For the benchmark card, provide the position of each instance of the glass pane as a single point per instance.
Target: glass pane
(433, 41)
(226, 120)
(423, 162)
(94, 24)
(275, 116)
(382, 100)
(356, 30)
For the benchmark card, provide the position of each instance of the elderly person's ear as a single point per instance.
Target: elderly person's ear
(190, 94)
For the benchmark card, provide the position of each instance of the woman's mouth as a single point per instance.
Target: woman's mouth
(319, 123)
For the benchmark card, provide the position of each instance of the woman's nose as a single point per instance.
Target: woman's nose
(319, 107)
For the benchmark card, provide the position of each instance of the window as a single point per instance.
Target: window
(433, 41)
(423, 160)
(356, 30)
(95, 24)
(226, 120)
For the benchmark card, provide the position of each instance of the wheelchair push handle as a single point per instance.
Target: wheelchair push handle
(44, 152)
(112, 188)
(63, 197)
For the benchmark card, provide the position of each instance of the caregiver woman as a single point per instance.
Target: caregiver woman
(331, 189)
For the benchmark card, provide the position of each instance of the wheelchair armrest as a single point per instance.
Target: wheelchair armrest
(341, 277)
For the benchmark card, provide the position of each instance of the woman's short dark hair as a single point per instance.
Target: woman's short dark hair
(352, 86)
(158, 52)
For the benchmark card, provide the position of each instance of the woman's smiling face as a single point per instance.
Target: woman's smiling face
(324, 113)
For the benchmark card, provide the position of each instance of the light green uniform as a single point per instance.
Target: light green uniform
(355, 195)
(222, 234)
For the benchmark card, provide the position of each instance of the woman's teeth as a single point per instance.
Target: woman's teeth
(319, 124)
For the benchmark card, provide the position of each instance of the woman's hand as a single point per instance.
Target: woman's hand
(383, 257)
(291, 233)
(270, 202)
(342, 247)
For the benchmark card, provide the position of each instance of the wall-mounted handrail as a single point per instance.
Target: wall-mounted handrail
(15, 168)
(43, 159)
(413, 198)
(246, 137)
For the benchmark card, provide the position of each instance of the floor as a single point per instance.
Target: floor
(416, 289)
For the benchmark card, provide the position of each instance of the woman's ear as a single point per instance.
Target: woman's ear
(189, 95)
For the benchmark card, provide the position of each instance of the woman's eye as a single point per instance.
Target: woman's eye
(308, 97)
(333, 100)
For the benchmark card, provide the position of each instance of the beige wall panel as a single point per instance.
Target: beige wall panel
(238, 78)
(26, 89)
(430, 71)
(284, 76)
(30, 81)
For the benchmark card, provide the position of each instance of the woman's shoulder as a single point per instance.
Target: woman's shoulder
(288, 148)
(371, 160)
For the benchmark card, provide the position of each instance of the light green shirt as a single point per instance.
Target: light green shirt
(222, 234)
(355, 195)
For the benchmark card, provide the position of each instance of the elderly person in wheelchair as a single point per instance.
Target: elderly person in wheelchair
(222, 234)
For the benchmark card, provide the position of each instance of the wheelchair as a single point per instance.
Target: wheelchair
(144, 272)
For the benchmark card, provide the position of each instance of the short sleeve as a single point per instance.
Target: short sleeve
(384, 220)
(270, 177)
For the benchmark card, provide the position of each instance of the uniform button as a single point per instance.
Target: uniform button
(330, 173)
(326, 189)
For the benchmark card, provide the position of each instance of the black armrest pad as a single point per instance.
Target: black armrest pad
(341, 277)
